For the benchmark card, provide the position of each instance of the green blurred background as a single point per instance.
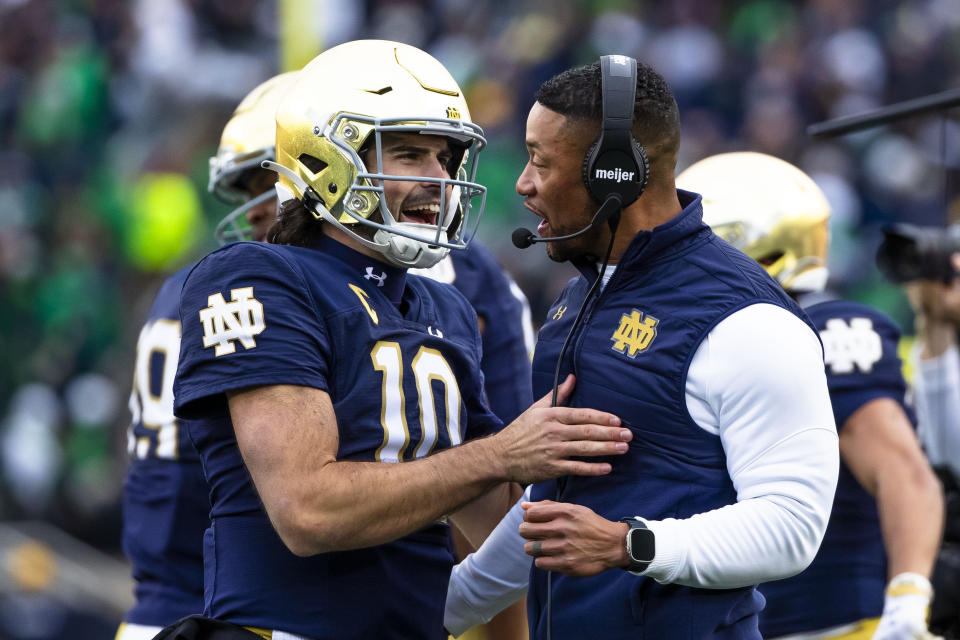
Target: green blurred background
(109, 110)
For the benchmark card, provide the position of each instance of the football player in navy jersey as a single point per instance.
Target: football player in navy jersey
(336, 402)
(870, 578)
(165, 508)
(731, 472)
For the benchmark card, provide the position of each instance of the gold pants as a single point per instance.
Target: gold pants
(860, 630)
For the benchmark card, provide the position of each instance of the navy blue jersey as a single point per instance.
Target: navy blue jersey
(399, 357)
(508, 330)
(846, 580)
(165, 504)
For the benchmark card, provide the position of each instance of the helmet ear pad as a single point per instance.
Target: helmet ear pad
(629, 191)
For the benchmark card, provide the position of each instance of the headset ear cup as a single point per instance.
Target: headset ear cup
(586, 171)
(643, 166)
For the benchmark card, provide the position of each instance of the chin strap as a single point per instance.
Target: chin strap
(270, 165)
(412, 253)
(814, 279)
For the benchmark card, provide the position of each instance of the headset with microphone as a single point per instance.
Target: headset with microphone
(615, 168)
(615, 172)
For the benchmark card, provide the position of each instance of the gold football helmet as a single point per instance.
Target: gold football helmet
(339, 107)
(247, 140)
(770, 210)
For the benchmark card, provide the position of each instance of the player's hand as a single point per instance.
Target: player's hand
(905, 609)
(572, 539)
(542, 441)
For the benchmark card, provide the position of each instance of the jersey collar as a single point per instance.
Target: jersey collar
(390, 280)
(673, 236)
(647, 247)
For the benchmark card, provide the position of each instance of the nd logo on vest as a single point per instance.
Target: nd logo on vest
(635, 333)
(224, 322)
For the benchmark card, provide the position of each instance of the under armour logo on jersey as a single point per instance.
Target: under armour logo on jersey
(560, 311)
(436, 333)
(848, 345)
(635, 333)
(381, 278)
(226, 322)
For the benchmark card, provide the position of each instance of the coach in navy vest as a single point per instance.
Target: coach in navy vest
(733, 463)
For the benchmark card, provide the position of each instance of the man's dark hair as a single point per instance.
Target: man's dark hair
(295, 226)
(576, 93)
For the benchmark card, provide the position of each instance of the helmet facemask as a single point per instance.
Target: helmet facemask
(364, 203)
(246, 142)
(333, 135)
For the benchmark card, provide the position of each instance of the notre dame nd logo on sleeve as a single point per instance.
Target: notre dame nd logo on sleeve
(850, 343)
(225, 323)
(860, 354)
(247, 319)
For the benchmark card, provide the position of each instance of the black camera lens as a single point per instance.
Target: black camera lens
(909, 252)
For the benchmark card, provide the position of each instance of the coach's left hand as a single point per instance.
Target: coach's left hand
(572, 539)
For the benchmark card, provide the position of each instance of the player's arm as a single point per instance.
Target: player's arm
(289, 438)
(476, 519)
(878, 445)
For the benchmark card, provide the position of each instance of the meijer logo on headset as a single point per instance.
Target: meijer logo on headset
(617, 174)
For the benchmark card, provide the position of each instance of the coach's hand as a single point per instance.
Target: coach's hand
(542, 441)
(905, 609)
(572, 539)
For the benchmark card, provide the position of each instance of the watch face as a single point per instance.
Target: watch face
(642, 545)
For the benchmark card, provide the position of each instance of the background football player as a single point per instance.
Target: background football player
(166, 505)
(871, 575)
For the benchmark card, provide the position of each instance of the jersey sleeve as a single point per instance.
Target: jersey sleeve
(860, 356)
(247, 319)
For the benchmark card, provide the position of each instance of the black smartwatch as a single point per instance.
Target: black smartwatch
(641, 545)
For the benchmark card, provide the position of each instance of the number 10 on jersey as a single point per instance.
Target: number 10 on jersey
(428, 366)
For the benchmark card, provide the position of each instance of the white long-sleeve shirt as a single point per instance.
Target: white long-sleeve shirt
(757, 381)
(937, 395)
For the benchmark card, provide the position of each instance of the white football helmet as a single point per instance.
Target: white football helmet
(770, 210)
(342, 103)
(247, 140)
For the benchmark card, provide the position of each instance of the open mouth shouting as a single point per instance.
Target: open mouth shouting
(423, 213)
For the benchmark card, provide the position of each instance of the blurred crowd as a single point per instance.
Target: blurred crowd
(109, 110)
